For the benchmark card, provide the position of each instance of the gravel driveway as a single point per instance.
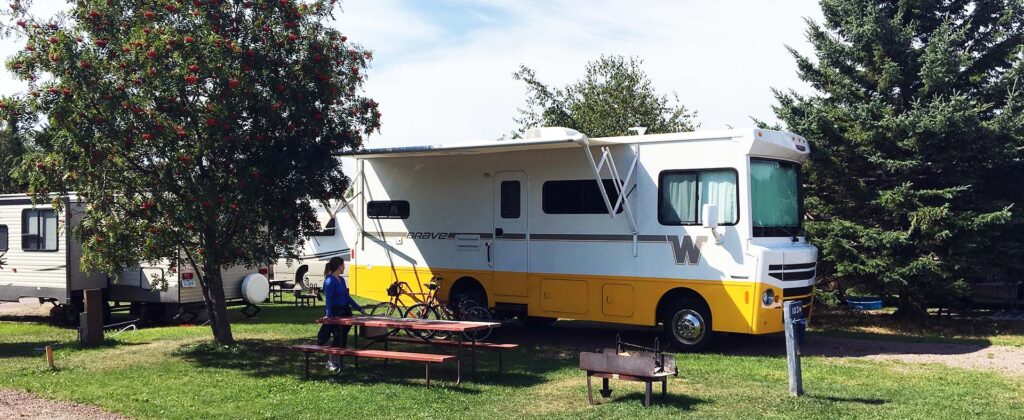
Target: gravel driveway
(22, 405)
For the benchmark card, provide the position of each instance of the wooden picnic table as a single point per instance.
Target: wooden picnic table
(457, 328)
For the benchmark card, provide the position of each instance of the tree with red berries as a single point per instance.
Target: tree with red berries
(201, 131)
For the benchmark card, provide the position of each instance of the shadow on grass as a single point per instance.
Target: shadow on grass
(682, 402)
(262, 358)
(38, 348)
(868, 401)
(36, 319)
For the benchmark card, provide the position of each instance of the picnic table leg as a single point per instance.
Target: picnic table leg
(458, 360)
(307, 365)
(590, 389)
(427, 366)
(472, 351)
(501, 369)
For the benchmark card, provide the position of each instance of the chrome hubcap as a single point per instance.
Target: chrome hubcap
(688, 326)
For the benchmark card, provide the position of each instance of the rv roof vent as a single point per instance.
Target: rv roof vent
(551, 133)
(639, 130)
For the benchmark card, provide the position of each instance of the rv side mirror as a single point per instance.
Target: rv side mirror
(710, 216)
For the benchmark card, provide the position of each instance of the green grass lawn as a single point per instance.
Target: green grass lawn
(882, 326)
(175, 372)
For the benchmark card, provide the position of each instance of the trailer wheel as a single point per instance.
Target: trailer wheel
(687, 324)
(66, 315)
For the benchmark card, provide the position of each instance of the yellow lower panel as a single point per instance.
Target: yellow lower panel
(735, 306)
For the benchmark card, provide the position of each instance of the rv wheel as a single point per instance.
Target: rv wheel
(687, 324)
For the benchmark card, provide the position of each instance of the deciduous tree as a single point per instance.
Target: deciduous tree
(614, 95)
(199, 130)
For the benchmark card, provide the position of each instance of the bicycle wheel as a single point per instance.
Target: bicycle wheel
(477, 314)
(387, 309)
(422, 311)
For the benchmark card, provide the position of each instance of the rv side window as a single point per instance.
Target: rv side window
(38, 230)
(387, 209)
(580, 196)
(328, 229)
(3, 238)
(510, 204)
(682, 194)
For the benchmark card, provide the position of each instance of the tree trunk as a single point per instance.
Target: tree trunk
(216, 306)
(910, 310)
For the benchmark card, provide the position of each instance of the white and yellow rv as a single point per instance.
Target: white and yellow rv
(700, 232)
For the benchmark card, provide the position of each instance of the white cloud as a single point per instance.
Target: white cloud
(722, 58)
(442, 69)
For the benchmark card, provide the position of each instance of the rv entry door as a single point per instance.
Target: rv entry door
(510, 246)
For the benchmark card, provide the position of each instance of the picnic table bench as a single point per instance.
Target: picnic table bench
(379, 332)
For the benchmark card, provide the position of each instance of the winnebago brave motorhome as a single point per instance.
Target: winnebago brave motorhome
(700, 232)
(42, 260)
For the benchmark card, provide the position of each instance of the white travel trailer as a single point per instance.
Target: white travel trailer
(308, 268)
(699, 232)
(42, 260)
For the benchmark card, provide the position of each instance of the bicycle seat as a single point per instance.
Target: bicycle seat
(433, 286)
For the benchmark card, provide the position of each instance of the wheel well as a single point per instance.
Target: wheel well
(300, 273)
(672, 295)
(469, 286)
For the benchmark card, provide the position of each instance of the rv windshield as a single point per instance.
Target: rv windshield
(775, 196)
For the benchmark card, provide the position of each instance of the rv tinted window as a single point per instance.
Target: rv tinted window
(3, 237)
(510, 205)
(38, 230)
(581, 196)
(682, 195)
(328, 229)
(387, 209)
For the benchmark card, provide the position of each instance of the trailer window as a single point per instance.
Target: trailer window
(579, 196)
(510, 199)
(38, 230)
(3, 238)
(387, 209)
(682, 194)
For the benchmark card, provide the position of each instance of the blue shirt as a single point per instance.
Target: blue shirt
(337, 294)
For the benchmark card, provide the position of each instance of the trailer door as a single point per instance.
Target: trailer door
(511, 240)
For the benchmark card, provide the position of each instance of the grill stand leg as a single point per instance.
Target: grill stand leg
(647, 393)
(664, 387)
(590, 390)
(605, 391)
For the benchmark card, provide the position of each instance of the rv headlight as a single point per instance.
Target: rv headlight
(768, 297)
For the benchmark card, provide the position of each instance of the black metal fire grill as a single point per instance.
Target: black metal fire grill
(629, 362)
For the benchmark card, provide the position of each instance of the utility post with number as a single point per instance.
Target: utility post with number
(793, 313)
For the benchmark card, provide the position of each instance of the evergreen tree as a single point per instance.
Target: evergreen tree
(614, 95)
(915, 178)
(197, 131)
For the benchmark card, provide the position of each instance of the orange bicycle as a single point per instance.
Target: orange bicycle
(428, 306)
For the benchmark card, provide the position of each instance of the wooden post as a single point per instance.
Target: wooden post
(49, 357)
(92, 328)
(796, 382)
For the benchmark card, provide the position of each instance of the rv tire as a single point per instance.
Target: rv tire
(687, 324)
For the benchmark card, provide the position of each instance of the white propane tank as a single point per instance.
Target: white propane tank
(255, 288)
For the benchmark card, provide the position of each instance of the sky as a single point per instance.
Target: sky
(442, 69)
